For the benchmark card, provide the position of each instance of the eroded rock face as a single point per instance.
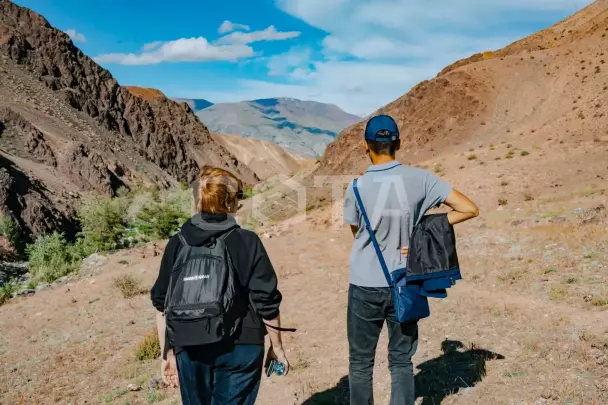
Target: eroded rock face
(26, 199)
(32, 140)
(89, 169)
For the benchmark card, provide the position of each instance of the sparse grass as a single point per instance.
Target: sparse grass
(512, 374)
(154, 396)
(588, 256)
(438, 169)
(571, 280)
(558, 291)
(550, 271)
(472, 157)
(149, 347)
(512, 276)
(128, 285)
(528, 196)
(589, 191)
(599, 301)
(502, 201)
(524, 153)
(125, 262)
(301, 364)
(111, 396)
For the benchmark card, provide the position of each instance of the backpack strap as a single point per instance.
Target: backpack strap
(372, 234)
(182, 239)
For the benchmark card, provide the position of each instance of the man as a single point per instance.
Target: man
(395, 197)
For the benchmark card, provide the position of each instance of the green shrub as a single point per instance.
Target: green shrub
(149, 347)
(128, 285)
(249, 192)
(6, 293)
(104, 222)
(160, 220)
(10, 230)
(51, 257)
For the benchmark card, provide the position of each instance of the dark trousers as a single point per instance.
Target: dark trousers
(220, 374)
(368, 308)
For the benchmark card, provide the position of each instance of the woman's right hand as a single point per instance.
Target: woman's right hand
(168, 370)
(277, 354)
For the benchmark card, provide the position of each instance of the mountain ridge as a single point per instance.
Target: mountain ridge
(303, 127)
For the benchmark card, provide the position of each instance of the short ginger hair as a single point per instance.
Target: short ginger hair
(216, 190)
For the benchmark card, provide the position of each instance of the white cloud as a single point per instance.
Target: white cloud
(269, 34)
(376, 50)
(296, 59)
(228, 26)
(180, 50)
(346, 84)
(152, 45)
(75, 35)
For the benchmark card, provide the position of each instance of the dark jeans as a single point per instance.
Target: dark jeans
(220, 374)
(368, 308)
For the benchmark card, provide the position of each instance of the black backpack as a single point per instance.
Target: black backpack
(202, 303)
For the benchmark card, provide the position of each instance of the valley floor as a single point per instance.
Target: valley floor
(526, 326)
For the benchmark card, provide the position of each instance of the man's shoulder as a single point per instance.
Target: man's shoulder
(400, 170)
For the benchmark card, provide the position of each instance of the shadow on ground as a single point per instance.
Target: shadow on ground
(457, 368)
(338, 395)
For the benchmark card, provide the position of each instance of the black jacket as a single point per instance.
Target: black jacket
(432, 259)
(255, 272)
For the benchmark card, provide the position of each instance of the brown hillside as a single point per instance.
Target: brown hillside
(264, 158)
(69, 127)
(554, 80)
(147, 94)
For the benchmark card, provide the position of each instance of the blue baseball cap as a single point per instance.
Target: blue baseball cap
(381, 128)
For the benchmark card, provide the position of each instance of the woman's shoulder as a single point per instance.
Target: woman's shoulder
(247, 235)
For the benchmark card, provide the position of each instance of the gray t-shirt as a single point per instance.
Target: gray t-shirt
(395, 197)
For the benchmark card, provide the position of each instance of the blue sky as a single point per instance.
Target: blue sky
(358, 54)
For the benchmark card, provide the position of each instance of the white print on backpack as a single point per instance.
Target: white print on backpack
(195, 278)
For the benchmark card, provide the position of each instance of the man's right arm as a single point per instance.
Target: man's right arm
(463, 208)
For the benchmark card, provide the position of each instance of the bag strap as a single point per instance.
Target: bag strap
(280, 329)
(372, 234)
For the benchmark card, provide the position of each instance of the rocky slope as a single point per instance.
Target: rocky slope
(303, 127)
(67, 127)
(263, 157)
(550, 83)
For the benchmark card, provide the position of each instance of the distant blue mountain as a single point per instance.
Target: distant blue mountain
(303, 127)
(196, 104)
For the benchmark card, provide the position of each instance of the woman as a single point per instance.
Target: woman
(226, 371)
